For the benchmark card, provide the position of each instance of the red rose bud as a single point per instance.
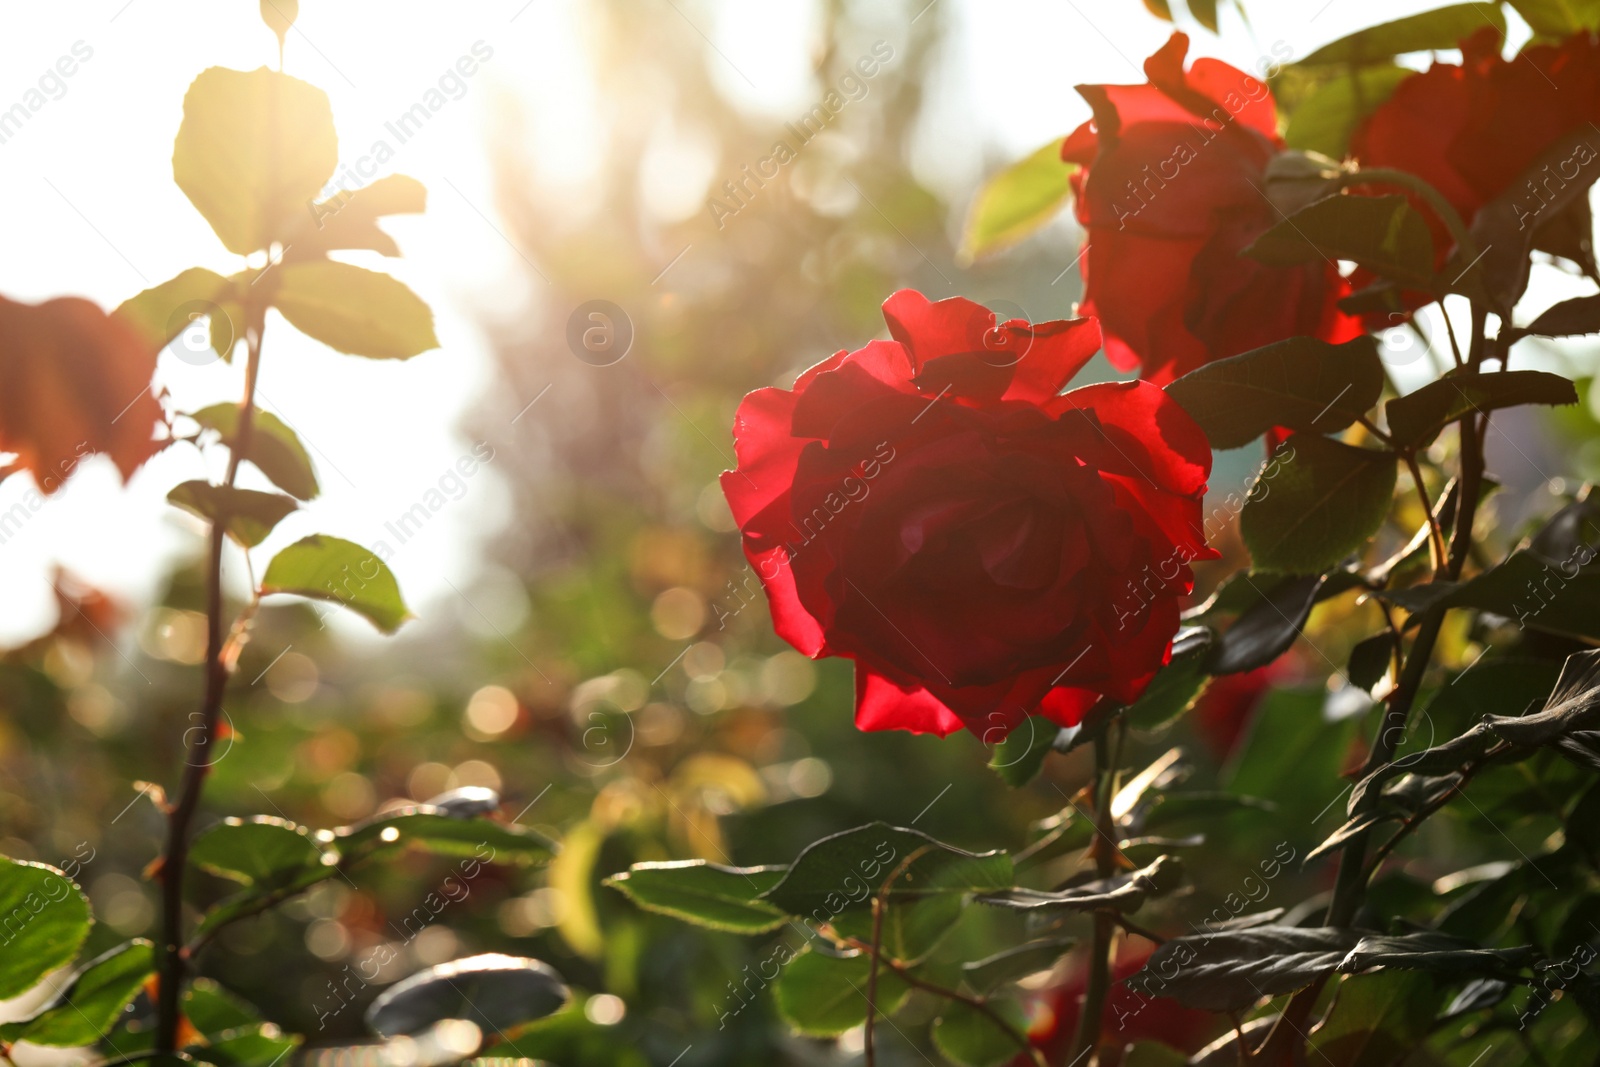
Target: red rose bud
(1172, 190)
(982, 546)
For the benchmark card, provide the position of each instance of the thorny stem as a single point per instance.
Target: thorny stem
(198, 757)
(876, 950)
(1435, 532)
(880, 904)
(1410, 824)
(1350, 887)
(977, 1004)
(1106, 758)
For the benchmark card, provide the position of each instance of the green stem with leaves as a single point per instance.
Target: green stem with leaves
(201, 739)
(1355, 872)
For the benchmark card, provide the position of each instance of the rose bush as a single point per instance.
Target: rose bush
(1171, 192)
(984, 548)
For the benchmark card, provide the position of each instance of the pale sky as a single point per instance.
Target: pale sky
(92, 210)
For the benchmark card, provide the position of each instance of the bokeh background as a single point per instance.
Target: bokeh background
(588, 642)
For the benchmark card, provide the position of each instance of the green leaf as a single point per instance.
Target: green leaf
(1432, 31)
(350, 219)
(705, 894)
(1301, 383)
(212, 1010)
(497, 992)
(253, 150)
(1489, 686)
(261, 850)
(1229, 970)
(1325, 501)
(990, 973)
(1278, 608)
(248, 516)
(435, 831)
(1205, 13)
(1569, 318)
(328, 568)
(262, 1045)
(1381, 233)
(162, 312)
(1376, 1020)
(1177, 685)
(1535, 593)
(1416, 418)
(275, 449)
(1329, 114)
(844, 871)
(823, 996)
(1559, 18)
(967, 1037)
(1125, 892)
(92, 1003)
(1430, 950)
(1019, 757)
(355, 311)
(43, 921)
(1017, 202)
(1370, 660)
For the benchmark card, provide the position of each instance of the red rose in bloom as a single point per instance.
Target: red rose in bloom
(982, 547)
(1472, 131)
(1172, 190)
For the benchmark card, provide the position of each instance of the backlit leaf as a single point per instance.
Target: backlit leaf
(1416, 418)
(497, 992)
(328, 568)
(254, 149)
(43, 919)
(1325, 120)
(91, 1004)
(823, 996)
(1382, 233)
(1301, 384)
(1323, 502)
(355, 311)
(1432, 31)
(260, 850)
(969, 1038)
(248, 516)
(165, 311)
(706, 894)
(349, 219)
(275, 449)
(1017, 201)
